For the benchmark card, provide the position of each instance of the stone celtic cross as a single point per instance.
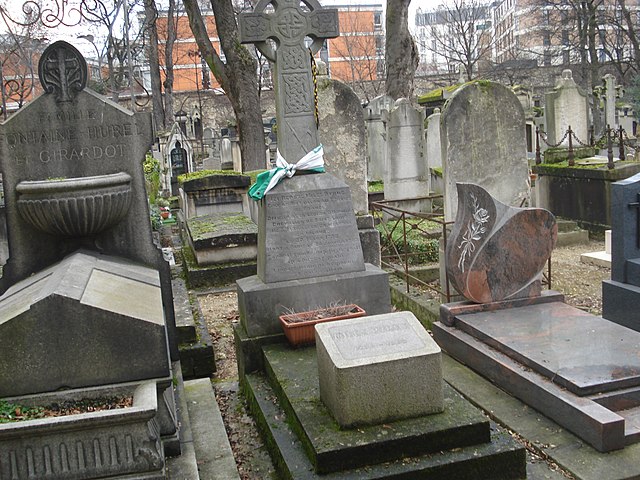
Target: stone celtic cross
(287, 26)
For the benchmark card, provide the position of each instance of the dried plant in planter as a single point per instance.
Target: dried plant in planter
(299, 326)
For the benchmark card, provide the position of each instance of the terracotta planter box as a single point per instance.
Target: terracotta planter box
(301, 332)
(120, 443)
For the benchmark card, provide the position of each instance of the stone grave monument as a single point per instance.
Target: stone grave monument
(621, 294)
(482, 134)
(580, 370)
(567, 105)
(407, 180)
(309, 256)
(342, 128)
(309, 253)
(434, 151)
(87, 306)
(376, 137)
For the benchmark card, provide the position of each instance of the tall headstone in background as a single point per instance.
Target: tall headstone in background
(434, 150)
(483, 142)
(611, 93)
(567, 105)
(621, 294)
(309, 252)
(342, 130)
(406, 175)
(376, 137)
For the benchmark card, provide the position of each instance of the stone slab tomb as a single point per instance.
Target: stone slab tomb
(578, 369)
(621, 294)
(87, 303)
(377, 369)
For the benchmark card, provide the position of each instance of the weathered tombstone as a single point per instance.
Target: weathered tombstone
(611, 95)
(406, 176)
(434, 151)
(309, 250)
(621, 294)
(483, 141)
(578, 369)
(87, 295)
(376, 137)
(341, 126)
(213, 161)
(566, 106)
(378, 369)
(226, 154)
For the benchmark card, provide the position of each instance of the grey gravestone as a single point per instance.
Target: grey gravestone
(483, 142)
(376, 137)
(343, 137)
(288, 25)
(406, 175)
(610, 97)
(434, 150)
(621, 294)
(378, 369)
(308, 230)
(309, 252)
(567, 105)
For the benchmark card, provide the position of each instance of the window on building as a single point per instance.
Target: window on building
(565, 37)
(546, 39)
(546, 59)
(377, 19)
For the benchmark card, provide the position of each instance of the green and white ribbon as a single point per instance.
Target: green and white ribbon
(312, 161)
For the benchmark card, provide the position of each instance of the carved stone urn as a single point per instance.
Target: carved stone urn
(75, 207)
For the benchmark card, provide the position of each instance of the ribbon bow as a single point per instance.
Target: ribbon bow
(312, 161)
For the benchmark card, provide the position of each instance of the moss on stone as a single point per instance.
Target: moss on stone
(185, 177)
(375, 187)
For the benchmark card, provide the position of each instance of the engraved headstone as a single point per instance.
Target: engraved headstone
(406, 175)
(288, 26)
(376, 137)
(309, 251)
(482, 134)
(378, 369)
(566, 106)
(496, 252)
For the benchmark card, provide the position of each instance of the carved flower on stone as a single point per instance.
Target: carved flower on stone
(475, 230)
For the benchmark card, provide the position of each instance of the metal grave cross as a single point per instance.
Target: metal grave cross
(636, 205)
(288, 26)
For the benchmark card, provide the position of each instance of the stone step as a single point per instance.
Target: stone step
(210, 441)
(565, 225)
(194, 342)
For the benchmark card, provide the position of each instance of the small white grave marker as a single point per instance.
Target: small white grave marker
(377, 369)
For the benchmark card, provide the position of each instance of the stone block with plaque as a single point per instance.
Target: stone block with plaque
(378, 369)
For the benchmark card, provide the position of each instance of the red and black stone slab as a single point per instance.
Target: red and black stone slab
(497, 252)
(574, 349)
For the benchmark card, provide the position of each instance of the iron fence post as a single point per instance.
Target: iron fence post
(609, 148)
(621, 140)
(571, 157)
(538, 156)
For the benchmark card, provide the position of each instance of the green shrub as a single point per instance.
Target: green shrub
(421, 248)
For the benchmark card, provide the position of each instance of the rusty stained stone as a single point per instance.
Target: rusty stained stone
(497, 252)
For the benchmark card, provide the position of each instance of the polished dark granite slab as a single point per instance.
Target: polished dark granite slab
(574, 349)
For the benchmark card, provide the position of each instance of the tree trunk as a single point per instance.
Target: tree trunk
(168, 65)
(401, 57)
(151, 16)
(237, 77)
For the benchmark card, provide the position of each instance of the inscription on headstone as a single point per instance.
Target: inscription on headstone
(311, 233)
(382, 337)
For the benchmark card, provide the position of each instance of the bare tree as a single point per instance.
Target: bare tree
(460, 33)
(151, 28)
(236, 75)
(401, 52)
(362, 52)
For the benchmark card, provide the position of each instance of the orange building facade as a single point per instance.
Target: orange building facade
(356, 55)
